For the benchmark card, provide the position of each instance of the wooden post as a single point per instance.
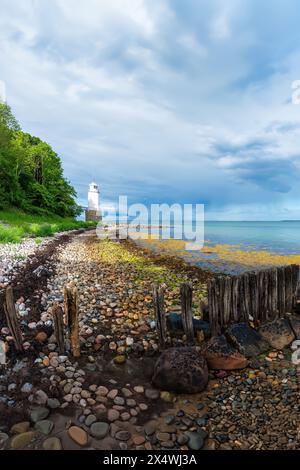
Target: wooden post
(254, 292)
(159, 308)
(11, 318)
(273, 294)
(213, 306)
(295, 275)
(71, 305)
(281, 290)
(227, 300)
(186, 293)
(235, 299)
(288, 289)
(58, 322)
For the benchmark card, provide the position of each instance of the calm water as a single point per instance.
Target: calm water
(278, 237)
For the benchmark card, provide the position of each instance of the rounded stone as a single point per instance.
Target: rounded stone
(99, 429)
(41, 337)
(195, 441)
(138, 440)
(119, 401)
(52, 443)
(44, 426)
(90, 419)
(78, 435)
(152, 394)
(113, 415)
(53, 403)
(21, 440)
(19, 428)
(181, 370)
(3, 438)
(39, 413)
(123, 435)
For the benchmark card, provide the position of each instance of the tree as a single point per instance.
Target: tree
(31, 173)
(7, 118)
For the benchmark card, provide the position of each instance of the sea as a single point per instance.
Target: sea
(239, 246)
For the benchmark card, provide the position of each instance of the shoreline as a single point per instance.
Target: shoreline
(110, 385)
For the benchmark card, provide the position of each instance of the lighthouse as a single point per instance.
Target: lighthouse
(93, 211)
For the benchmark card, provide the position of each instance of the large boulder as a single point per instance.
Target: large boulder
(246, 340)
(277, 333)
(221, 355)
(181, 370)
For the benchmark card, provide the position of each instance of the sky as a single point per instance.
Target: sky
(164, 101)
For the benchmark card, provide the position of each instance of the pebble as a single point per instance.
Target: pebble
(53, 403)
(195, 441)
(119, 400)
(78, 435)
(113, 415)
(112, 394)
(152, 394)
(41, 337)
(123, 435)
(103, 391)
(22, 440)
(27, 388)
(138, 440)
(3, 438)
(21, 427)
(90, 420)
(126, 392)
(39, 413)
(99, 429)
(52, 443)
(44, 426)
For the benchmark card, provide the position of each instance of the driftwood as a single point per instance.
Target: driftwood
(58, 322)
(71, 311)
(159, 308)
(260, 296)
(11, 318)
(186, 293)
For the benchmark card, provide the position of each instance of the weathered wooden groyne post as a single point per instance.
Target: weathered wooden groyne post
(71, 313)
(11, 318)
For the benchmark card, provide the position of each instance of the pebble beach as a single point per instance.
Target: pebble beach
(106, 399)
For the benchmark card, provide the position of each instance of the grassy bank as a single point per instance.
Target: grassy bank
(16, 225)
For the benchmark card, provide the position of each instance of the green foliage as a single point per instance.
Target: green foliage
(31, 174)
(7, 118)
(16, 224)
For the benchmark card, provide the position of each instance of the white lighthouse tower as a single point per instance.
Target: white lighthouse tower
(93, 211)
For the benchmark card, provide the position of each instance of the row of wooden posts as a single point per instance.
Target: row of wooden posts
(261, 296)
(252, 296)
(186, 297)
(59, 322)
(71, 318)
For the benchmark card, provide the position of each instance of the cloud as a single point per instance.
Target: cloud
(164, 101)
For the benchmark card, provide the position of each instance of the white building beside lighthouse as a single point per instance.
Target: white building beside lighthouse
(93, 211)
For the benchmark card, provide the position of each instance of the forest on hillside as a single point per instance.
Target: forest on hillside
(31, 173)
